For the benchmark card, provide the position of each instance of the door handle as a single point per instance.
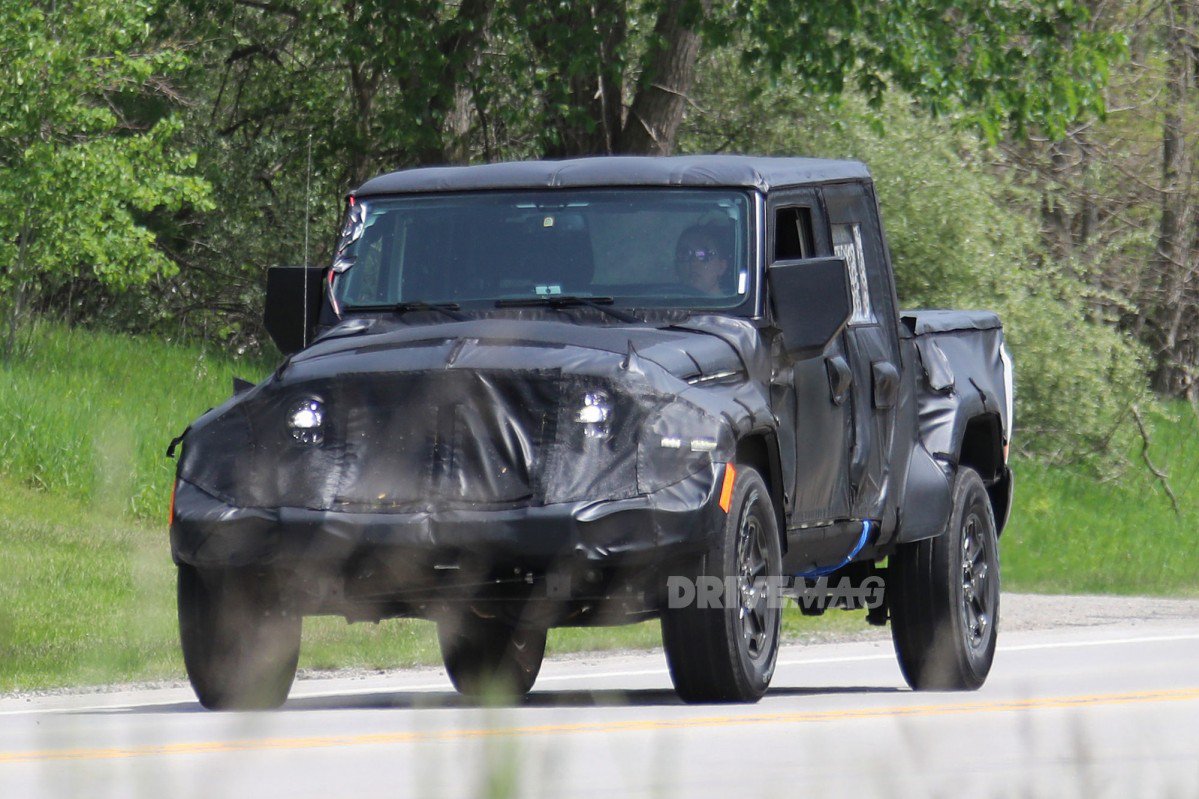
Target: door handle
(840, 378)
(886, 384)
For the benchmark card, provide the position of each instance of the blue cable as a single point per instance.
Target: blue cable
(827, 570)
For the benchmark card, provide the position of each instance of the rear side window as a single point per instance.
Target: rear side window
(793, 234)
(847, 244)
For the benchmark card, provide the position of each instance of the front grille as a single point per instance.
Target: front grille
(430, 440)
(448, 437)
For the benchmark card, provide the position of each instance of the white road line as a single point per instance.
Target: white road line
(444, 684)
(1111, 642)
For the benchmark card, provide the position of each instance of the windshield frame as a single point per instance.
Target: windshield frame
(752, 233)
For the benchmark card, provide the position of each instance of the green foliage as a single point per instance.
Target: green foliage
(1078, 376)
(95, 195)
(74, 173)
(996, 64)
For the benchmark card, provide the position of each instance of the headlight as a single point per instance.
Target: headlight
(306, 421)
(594, 414)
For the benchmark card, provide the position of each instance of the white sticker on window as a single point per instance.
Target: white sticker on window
(544, 291)
(847, 244)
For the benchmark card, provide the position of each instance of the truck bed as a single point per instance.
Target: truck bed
(966, 373)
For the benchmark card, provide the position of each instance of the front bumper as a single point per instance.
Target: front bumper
(420, 548)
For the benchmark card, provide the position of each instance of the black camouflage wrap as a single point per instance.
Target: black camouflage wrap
(458, 437)
(960, 378)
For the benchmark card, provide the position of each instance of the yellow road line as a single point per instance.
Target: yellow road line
(390, 738)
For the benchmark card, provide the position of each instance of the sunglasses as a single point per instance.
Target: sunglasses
(702, 254)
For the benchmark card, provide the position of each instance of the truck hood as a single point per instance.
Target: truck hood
(695, 348)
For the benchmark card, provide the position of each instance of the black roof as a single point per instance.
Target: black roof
(685, 170)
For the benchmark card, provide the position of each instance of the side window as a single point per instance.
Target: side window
(847, 244)
(793, 234)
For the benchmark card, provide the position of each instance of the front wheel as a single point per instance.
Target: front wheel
(725, 650)
(944, 596)
(489, 657)
(240, 645)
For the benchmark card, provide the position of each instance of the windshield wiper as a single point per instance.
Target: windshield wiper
(559, 301)
(447, 308)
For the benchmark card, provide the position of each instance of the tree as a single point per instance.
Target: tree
(388, 84)
(1117, 196)
(77, 173)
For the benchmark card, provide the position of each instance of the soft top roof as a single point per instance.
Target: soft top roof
(687, 170)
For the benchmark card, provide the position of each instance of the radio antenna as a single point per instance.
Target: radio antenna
(307, 215)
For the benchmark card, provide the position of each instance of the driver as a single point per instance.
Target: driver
(702, 258)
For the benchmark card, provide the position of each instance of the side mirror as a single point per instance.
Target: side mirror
(284, 315)
(811, 302)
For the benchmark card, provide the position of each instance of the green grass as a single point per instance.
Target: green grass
(1072, 533)
(89, 415)
(87, 585)
(85, 596)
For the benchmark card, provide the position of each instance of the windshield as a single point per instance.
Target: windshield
(639, 247)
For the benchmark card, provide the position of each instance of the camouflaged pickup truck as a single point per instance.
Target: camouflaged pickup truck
(595, 392)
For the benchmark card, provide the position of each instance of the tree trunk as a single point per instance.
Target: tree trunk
(461, 46)
(1173, 262)
(17, 309)
(364, 89)
(653, 123)
(611, 77)
(1089, 213)
(1055, 215)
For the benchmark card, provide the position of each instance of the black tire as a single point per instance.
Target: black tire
(728, 653)
(239, 645)
(944, 596)
(488, 658)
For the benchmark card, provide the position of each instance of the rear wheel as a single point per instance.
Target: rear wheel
(727, 653)
(240, 645)
(944, 596)
(487, 657)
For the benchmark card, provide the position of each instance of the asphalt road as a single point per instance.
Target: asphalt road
(1110, 709)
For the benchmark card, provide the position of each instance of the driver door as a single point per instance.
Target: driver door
(812, 397)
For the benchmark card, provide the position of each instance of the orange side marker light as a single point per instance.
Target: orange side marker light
(726, 489)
